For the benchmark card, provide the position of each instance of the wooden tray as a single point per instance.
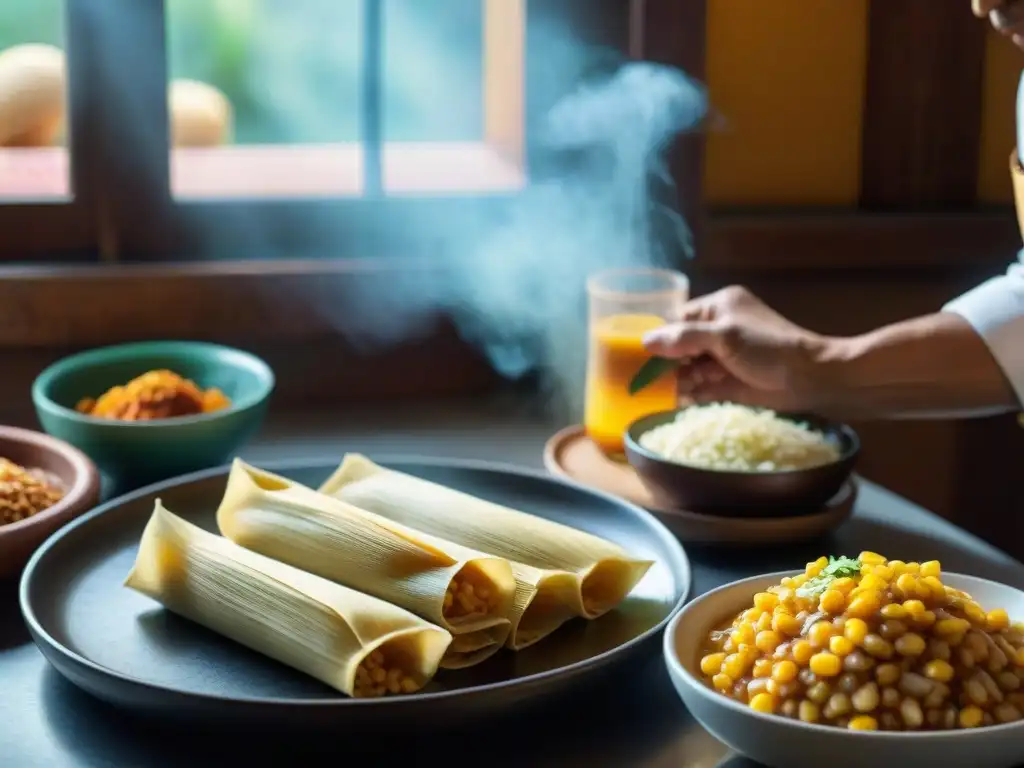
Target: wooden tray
(572, 455)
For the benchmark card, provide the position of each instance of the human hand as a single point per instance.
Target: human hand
(733, 347)
(1007, 16)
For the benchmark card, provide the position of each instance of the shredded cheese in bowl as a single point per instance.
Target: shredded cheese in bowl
(724, 436)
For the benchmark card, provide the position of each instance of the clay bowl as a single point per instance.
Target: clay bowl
(744, 494)
(77, 475)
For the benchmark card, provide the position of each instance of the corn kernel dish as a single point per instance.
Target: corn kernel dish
(871, 644)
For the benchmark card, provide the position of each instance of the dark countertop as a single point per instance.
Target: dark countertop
(633, 718)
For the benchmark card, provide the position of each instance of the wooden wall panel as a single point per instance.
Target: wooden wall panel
(787, 77)
(1003, 62)
(922, 108)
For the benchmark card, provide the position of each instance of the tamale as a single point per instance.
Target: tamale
(450, 585)
(357, 644)
(603, 571)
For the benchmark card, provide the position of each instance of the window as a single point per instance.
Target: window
(283, 99)
(42, 202)
(278, 128)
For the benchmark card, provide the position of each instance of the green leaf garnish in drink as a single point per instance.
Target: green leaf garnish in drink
(652, 370)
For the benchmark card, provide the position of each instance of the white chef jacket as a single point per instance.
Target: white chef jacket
(995, 309)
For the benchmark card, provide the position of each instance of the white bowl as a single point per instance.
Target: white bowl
(781, 742)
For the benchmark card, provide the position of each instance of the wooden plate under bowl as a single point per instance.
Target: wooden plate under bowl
(77, 475)
(572, 455)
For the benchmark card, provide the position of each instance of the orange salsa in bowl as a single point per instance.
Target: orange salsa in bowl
(160, 394)
(871, 644)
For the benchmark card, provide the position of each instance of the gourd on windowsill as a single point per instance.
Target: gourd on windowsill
(33, 105)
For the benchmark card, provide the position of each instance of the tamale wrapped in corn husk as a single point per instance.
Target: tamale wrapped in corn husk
(603, 572)
(357, 644)
(464, 591)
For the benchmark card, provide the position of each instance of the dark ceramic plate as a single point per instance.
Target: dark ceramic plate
(127, 650)
(744, 494)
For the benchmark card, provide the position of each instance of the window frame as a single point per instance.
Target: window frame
(65, 230)
(147, 224)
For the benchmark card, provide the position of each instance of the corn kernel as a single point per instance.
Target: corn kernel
(722, 682)
(855, 630)
(786, 624)
(819, 634)
(735, 665)
(971, 717)
(914, 608)
(907, 584)
(832, 601)
(1018, 658)
(712, 663)
(898, 567)
(997, 620)
(938, 670)
(931, 568)
(840, 645)
(871, 558)
(910, 644)
(762, 668)
(864, 605)
(764, 622)
(826, 664)
(913, 568)
(936, 587)
(950, 627)
(808, 711)
(765, 601)
(844, 585)
(871, 581)
(813, 569)
(925, 619)
(767, 641)
(863, 723)
(975, 613)
(763, 702)
(784, 671)
(893, 611)
(802, 652)
(887, 674)
(878, 646)
(744, 633)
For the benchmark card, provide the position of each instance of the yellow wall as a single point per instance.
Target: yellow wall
(787, 79)
(1003, 62)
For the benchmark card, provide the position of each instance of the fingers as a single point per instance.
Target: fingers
(982, 8)
(1007, 16)
(688, 340)
(700, 373)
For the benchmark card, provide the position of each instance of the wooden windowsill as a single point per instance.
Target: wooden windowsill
(276, 171)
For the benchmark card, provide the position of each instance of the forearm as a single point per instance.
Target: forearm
(929, 366)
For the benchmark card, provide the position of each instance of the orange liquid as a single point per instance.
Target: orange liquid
(615, 355)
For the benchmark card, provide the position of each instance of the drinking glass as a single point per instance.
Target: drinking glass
(624, 304)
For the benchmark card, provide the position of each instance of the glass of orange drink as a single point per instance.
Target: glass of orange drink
(624, 304)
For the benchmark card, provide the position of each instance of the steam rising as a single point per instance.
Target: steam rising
(518, 289)
(515, 284)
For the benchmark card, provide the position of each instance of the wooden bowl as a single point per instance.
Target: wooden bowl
(78, 476)
(743, 494)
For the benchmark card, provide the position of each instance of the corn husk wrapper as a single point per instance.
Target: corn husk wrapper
(311, 624)
(287, 521)
(604, 573)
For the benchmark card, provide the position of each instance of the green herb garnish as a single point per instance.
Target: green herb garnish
(837, 568)
(652, 370)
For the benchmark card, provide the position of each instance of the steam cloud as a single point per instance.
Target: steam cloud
(515, 285)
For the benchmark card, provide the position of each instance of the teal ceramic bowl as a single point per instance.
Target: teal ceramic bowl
(135, 453)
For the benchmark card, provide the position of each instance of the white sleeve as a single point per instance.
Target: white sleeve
(995, 309)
